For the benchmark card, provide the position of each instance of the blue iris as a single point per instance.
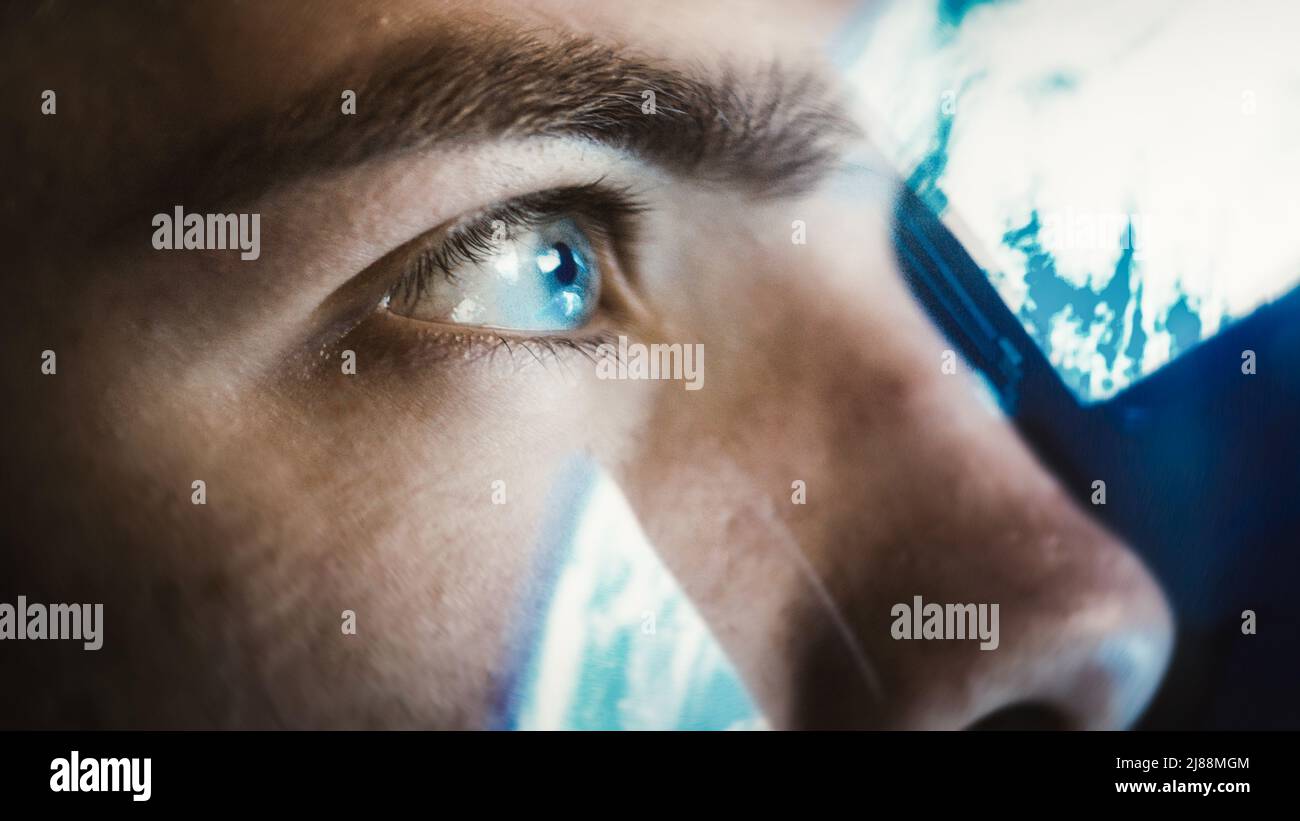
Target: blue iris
(544, 277)
(563, 264)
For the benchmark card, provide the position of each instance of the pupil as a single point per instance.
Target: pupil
(567, 271)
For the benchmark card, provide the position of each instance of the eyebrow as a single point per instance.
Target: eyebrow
(769, 132)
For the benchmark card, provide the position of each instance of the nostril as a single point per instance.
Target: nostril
(1024, 716)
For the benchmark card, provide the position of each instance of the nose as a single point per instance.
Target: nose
(926, 571)
(1051, 627)
(978, 593)
(936, 577)
(953, 585)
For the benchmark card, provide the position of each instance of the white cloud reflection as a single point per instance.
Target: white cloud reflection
(1066, 118)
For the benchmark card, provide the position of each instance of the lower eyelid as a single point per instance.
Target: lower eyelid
(398, 340)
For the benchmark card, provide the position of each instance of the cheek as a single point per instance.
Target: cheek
(425, 483)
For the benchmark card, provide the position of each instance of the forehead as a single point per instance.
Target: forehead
(140, 82)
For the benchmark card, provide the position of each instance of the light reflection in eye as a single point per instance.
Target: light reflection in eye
(542, 278)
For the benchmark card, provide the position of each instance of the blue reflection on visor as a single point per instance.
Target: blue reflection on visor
(614, 643)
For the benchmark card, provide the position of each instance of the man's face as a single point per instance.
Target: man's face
(716, 211)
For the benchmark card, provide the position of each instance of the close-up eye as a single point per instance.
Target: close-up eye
(536, 264)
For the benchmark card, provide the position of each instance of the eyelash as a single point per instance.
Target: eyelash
(553, 347)
(606, 213)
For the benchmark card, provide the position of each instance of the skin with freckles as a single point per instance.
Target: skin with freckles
(371, 491)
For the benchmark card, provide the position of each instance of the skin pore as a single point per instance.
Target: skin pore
(372, 491)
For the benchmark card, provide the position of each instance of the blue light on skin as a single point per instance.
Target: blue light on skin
(605, 638)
